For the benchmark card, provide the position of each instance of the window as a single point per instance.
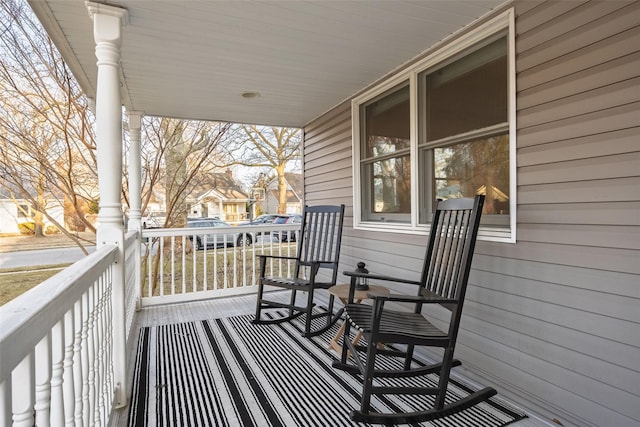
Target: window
(385, 162)
(450, 120)
(24, 211)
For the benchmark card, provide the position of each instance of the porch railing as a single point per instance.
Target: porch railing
(56, 347)
(57, 341)
(173, 269)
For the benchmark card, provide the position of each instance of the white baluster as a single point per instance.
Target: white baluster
(99, 348)
(161, 269)
(205, 283)
(67, 376)
(108, 345)
(194, 277)
(152, 243)
(57, 358)
(42, 405)
(235, 265)
(91, 361)
(22, 392)
(5, 402)
(78, 372)
(173, 264)
(184, 265)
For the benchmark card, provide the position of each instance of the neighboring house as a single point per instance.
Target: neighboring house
(156, 201)
(221, 196)
(14, 212)
(295, 191)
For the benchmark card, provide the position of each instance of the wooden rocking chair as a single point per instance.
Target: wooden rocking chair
(443, 282)
(318, 251)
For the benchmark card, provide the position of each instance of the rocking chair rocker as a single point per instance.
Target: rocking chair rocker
(443, 281)
(318, 251)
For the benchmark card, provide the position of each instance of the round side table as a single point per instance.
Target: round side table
(342, 293)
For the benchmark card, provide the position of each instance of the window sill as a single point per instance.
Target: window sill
(486, 233)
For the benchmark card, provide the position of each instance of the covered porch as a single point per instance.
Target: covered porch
(552, 316)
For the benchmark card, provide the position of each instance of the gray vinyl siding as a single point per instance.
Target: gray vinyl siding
(552, 321)
(327, 159)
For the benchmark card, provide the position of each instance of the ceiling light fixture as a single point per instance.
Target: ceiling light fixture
(250, 95)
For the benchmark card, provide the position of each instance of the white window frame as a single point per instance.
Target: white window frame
(500, 23)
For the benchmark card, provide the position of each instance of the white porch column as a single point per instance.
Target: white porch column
(107, 32)
(135, 171)
(135, 194)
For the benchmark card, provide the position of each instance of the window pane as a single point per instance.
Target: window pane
(468, 94)
(23, 211)
(478, 167)
(390, 185)
(385, 165)
(387, 124)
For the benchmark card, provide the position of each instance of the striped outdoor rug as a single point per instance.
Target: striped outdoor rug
(229, 372)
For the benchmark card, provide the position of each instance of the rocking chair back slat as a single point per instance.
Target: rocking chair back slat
(445, 264)
(321, 234)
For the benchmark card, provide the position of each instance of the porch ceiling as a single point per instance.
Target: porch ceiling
(194, 59)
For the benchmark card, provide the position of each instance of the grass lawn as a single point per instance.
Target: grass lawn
(189, 274)
(16, 281)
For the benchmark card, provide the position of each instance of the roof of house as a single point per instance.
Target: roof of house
(296, 186)
(291, 196)
(224, 185)
(296, 182)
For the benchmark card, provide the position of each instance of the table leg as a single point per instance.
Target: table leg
(333, 344)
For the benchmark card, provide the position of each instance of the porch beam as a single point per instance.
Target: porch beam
(108, 22)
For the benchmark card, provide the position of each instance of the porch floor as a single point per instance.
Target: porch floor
(211, 309)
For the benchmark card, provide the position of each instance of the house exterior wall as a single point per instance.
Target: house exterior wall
(271, 205)
(272, 202)
(552, 321)
(10, 219)
(225, 210)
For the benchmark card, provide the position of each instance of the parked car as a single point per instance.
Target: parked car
(264, 219)
(261, 219)
(155, 219)
(218, 240)
(290, 235)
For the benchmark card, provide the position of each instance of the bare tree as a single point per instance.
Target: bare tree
(46, 133)
(268, 147)
(178, 155)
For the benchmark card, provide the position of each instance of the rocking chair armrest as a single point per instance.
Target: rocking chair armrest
(315, 262)
(411, 298)
(379, 277)
(278, 257)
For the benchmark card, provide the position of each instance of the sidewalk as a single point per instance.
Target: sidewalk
(29, 243)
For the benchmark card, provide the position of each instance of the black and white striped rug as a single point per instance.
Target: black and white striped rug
(229, 372)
